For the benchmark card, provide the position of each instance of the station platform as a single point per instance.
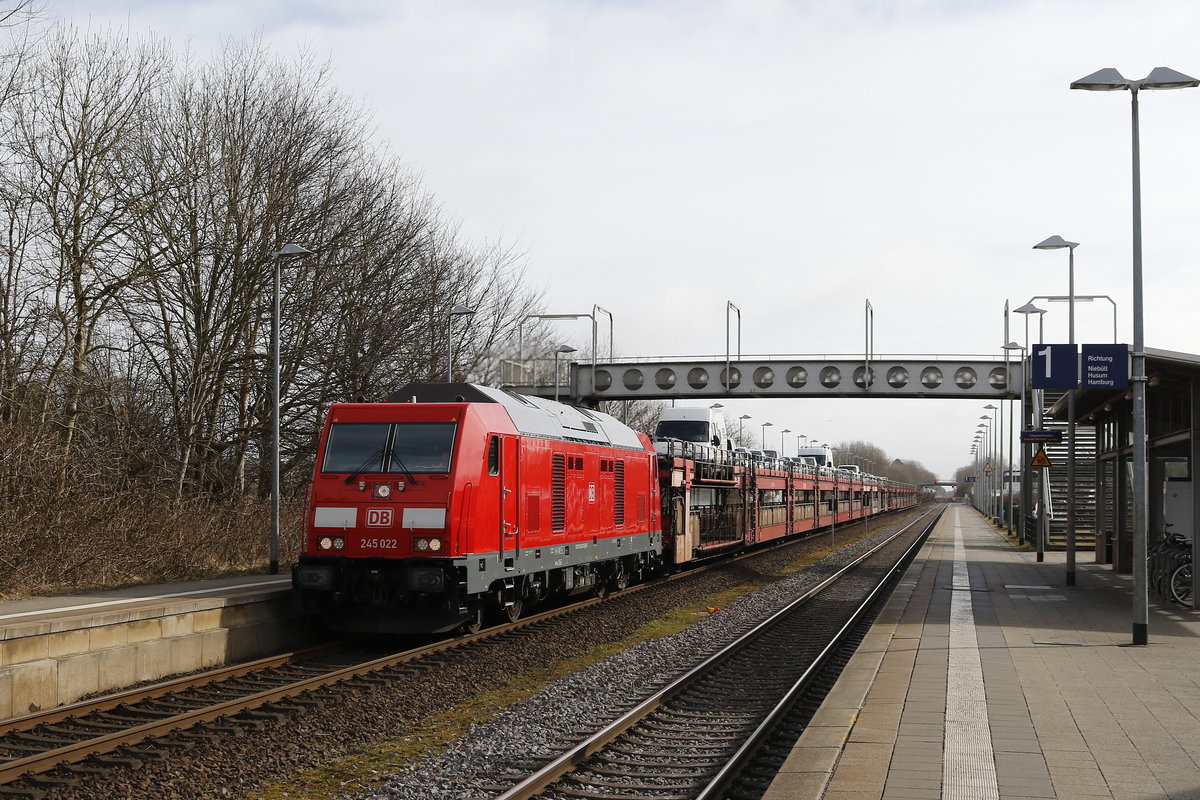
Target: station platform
(986, 677)
(133, 601)
(55, 650)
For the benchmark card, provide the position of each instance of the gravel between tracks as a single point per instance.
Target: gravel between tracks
(348, 721)
(471, 767)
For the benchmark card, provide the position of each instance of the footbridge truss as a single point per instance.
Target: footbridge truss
(952, 377)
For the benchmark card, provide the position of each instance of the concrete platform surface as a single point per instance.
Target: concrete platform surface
(986, 677)
(133, 598)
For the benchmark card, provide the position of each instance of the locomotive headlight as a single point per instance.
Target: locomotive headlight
(435, 544)
(338, 543)
(325, 543)
(421, 544)
(383, 490)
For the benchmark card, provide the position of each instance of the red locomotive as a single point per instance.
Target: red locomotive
(451, 500)
(426, 513)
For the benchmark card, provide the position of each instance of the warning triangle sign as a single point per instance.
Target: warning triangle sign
(1040, 460)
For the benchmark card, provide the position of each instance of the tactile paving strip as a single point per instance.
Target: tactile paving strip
(968, 761)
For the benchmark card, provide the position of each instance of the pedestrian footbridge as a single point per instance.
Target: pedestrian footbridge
(955, 377)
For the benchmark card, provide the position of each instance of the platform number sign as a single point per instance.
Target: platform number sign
(1055, 366)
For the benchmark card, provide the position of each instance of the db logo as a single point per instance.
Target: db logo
(379, 517)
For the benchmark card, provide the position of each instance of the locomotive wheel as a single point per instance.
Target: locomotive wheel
(474, 621)
(620, 581)
(513, 612)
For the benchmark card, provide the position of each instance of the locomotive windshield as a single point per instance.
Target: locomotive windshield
(384, 447)
(684, 430)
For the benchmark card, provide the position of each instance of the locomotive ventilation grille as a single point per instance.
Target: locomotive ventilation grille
(619, 493)
(558, 492)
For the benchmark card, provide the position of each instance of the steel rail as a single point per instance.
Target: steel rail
(737, 762)
(580, 753)
(111, 701)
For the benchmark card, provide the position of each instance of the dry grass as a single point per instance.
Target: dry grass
(111, 515)
(95, 541)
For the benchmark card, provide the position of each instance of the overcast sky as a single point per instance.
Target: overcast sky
(797, 158)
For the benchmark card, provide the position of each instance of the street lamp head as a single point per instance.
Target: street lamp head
(716, 405)
(786, 430)
(1110, 80)
(1055, 243)
(458, 310)
(556, 316)
(1104, 80)
(564, 348)
(1167, 78)
(1013, 346)
(744, 416)
(767, 425)
(990, 407)
(292, 249)
(1029, 308)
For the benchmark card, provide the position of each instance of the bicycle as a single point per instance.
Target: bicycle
(1181, 582)
(1165, 559)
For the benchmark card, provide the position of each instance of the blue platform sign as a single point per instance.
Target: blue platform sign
(1054, 366)
(1105, 366)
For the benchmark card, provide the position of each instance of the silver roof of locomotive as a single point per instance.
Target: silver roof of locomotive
(531, 416)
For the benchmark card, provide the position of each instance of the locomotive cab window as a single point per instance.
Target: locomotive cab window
(381, 447)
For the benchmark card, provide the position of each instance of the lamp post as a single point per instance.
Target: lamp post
(799, 436)
(982, 484)
(1058, 243)
(1011, 346)
(1036, 412)
(729, 306)
(742, 420)
(596, 310)
(782, 444)
(765, 425)
(985, 428)
(975, 464)
(562, 349)
(985, 467)
(288, 250)
(1109, 80)
(997, 456)
(521, 328)
(457, 310)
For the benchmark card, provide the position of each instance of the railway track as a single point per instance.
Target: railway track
(694, 738)
(127, 728)
(73, 743)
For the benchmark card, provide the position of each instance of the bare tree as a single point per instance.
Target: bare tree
(144, 200)
(87, 97)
